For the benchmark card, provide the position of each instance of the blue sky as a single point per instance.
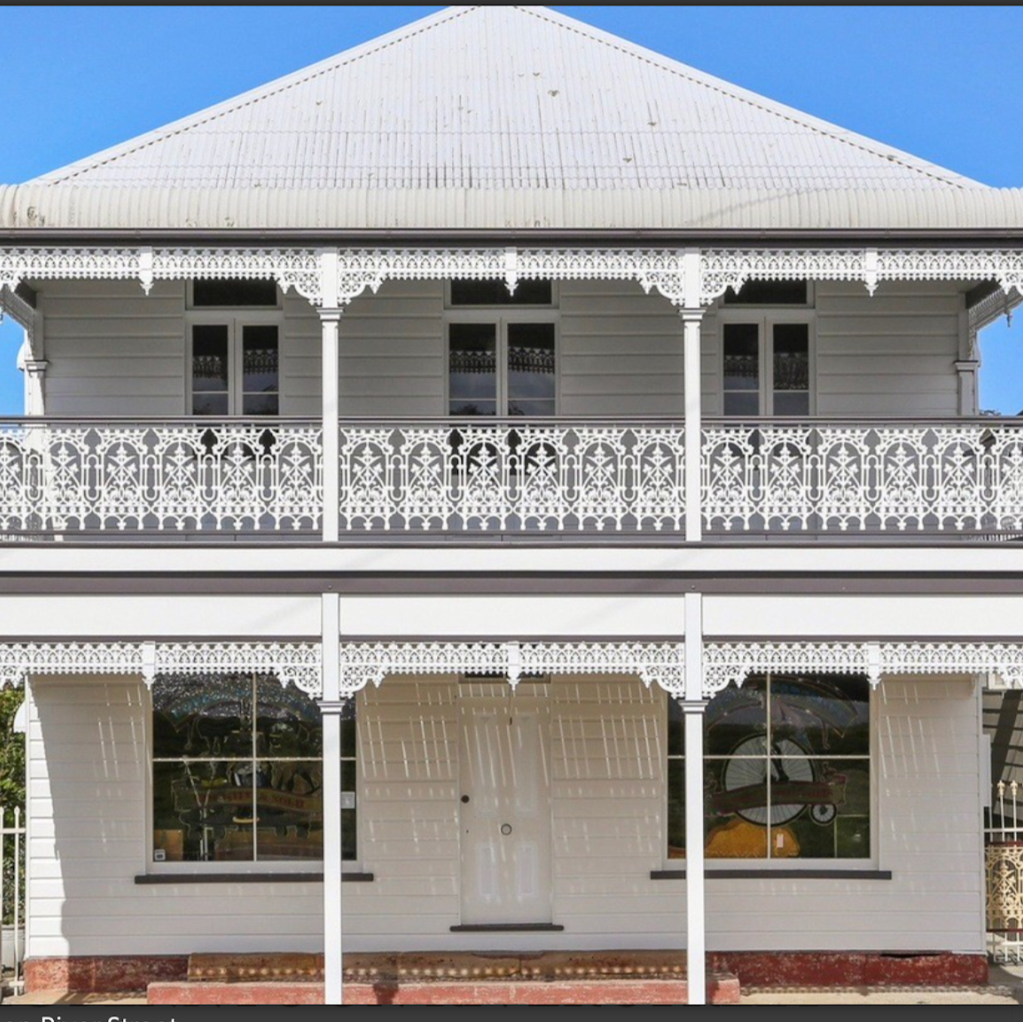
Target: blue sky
(940, 82)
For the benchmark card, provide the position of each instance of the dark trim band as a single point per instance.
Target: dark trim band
(778, 874)
(169, 879)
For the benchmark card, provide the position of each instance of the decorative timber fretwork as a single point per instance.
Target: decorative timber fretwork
(370, 663)
(732, 663)
(295, 663)
(363, 664)
(689, 278)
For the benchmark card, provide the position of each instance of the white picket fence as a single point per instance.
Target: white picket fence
(1003, 836)
(12, 914)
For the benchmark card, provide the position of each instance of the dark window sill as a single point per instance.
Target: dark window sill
(246, 878)
(510, 928)
(778, 874)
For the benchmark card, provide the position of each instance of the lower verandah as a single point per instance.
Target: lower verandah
(597, 768)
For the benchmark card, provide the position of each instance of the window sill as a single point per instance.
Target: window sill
(778, 874)
(157, 879)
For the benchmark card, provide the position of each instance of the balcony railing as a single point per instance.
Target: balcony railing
(190, 476)
(901, 477)
(478, 477)
(513, 476)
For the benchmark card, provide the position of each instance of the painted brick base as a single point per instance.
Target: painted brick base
(109, 975)
(721, 990)
(847, 969)
(754, 970)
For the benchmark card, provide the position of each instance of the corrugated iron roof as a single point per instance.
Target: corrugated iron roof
(504, 99)
(52, 207)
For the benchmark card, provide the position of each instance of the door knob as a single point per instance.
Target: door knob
(506, 829)
(465, 800)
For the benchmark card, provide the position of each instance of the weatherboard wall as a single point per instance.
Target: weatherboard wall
(88, 796)
(113, 350)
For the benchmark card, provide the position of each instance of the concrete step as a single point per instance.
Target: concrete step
(723, 989)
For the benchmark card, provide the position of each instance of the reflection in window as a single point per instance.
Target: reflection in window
(791, 369)
(532, 376)
(210, 370)
(238, 771)
(787, 770)
(742, 369)
(472, 369)
(260, 371)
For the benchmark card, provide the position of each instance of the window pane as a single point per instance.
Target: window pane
(532, 369)
(495, 292)
(792, 403)
(676, 728)
(676, 809)
(260, 358)
(288, 722)
(234, 293)
(769, 292)
(742, 356)
(743, 404)
(209, 358)
(348, 733)
(825, 716)
(828, 814)
(289, 803)
(791, 356)
(209, 404)
(472, 368)
(260, 404)
(195, 720)
(736, 805)
(733, 717)
(349, 822)
(202, 812)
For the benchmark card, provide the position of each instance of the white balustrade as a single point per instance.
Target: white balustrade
(198, 476)
(512, 477)
(501, 476)
(834, 477)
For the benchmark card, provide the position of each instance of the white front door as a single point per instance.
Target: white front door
(505, 805)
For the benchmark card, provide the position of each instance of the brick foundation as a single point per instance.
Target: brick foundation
(771, 970)
(754, 970)
(721, 990)
(109, 975)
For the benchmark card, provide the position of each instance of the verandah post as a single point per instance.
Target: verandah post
(332, 709)
(692, 319)
(330, 326)
(694, 708)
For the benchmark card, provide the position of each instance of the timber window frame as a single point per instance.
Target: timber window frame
(868, 864)
(304, 866)
(234, 323)
(768, 390)
(505, 321)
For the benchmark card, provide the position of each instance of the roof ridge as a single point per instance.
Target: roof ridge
(61, 175)
(788, 113)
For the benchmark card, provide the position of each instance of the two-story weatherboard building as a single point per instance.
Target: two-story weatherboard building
(501, 490)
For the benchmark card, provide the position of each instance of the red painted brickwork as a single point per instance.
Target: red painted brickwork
(754, 970)
(847, 969)
(109, 975)
(724, 990)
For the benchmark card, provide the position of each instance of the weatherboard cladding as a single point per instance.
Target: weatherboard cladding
(502, 117)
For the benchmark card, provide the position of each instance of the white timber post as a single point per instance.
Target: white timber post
(694, 708)
(332, 708)
(692, 319)
(330, 325)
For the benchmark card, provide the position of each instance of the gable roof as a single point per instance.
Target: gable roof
(503, 98)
